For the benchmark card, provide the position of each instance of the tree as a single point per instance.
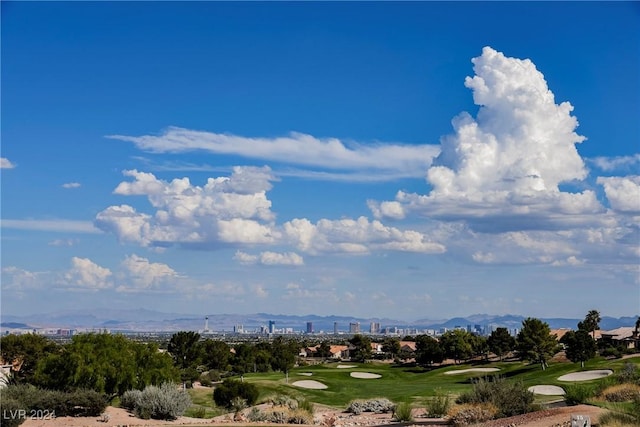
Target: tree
(184, 348)
(391, 346)
(501, 342)
(323, 350)
(591, 322)
(216, 354)
(361, 350)
(106, 363)
(580, 346)
(457, 345)
(244, 358)
(283, 354)
(535, 342)
(428, 350)
(26, 350)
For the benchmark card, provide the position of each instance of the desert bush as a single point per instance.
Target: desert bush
(238, 404)
(621, 393)
(306, 405)
(576, 394)
(255, 415)
(129, 399)
(300, 416)
(224, 393)
(284, 400)
(198, 412)
(438, 406)
(630, 373)
(618, 419)
(472, 413)
(77, 403)
(403, 412)
(378, 406)
(279, 415)
(10, 409)
(509, 397)
(165, 402)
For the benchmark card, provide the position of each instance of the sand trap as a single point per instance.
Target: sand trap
(316, 385)
(346, 366)
(547, 390)
(464, 371)
(586, 375)
(306, 374)
(364, 375)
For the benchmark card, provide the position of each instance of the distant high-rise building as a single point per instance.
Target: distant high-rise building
(206, 324)
(272, 326)
(354, 327)
(309, 327)
(374, 328)
(335, 328)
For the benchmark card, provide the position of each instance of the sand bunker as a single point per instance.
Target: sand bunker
(306, 374)
(547, 390)
(364, 375)
(586, 375)
(345, 366)
(316, 385)
(464, 371)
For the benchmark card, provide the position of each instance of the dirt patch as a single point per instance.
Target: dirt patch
(559, 417)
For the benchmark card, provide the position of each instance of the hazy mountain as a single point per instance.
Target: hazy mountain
(149, 320)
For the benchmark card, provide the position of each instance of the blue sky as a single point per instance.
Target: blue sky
(404, 160)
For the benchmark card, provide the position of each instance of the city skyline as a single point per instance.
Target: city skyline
(213, 157)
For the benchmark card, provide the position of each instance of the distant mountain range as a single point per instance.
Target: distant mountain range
(149, 320)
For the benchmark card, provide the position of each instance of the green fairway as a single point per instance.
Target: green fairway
(405, 384)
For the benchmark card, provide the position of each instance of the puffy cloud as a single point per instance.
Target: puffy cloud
(270, 258)
(17, 279)
(355, 236)
(509, 161)
(6, 163)
(140, 273)
(71, 185)
(231, 209)
(623, 193)
(86, 274)
(297, 148)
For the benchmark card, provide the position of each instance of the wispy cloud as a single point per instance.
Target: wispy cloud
(55, 225)
(71, 185)
(404, 160)
(616, 164)
(6, 163)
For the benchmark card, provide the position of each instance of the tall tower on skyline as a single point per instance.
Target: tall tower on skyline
(206, 324)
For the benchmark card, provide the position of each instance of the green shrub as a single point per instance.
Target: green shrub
(284, 400)
(378, 406)
(438, 406)
(166, 402)
(472, 413)
(199, 412)
(576, 394)
(630, 373)
(224, 393)
(11, 410)
(403, 412)
(85, 403)
(509, 397)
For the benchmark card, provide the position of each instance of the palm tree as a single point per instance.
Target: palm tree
(591, 322)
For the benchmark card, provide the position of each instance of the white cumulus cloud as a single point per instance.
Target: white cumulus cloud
(623, 193)
(86, 274)
(508, 161)
(140, 273)
(269, 258)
